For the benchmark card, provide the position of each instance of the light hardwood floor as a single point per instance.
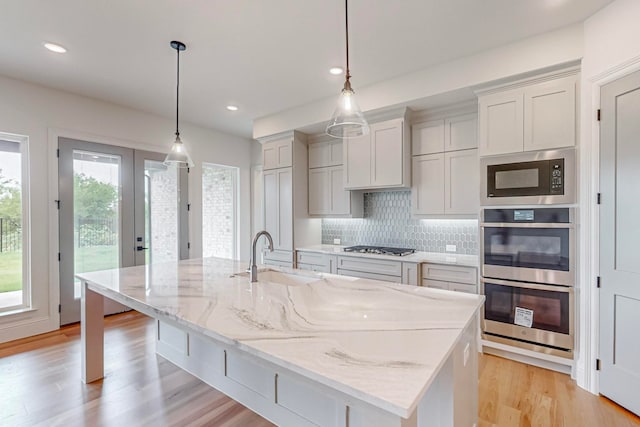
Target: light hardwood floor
(40, 385)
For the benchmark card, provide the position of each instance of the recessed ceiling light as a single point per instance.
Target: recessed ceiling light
(336, 71)
(232, 108)
(55, 48)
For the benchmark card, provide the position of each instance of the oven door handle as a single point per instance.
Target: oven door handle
(526, 225)
(527, 285)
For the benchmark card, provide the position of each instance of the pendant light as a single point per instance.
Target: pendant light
(347, 119)
(178, 154)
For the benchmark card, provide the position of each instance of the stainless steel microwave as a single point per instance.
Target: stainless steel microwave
(534, 178)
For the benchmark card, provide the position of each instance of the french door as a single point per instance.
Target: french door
(118, 208)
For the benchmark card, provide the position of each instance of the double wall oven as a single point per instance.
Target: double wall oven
(528, 274)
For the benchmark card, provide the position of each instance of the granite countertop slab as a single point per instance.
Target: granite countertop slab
(380, 342)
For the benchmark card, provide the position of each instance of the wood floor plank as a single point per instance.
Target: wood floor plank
(40, 385)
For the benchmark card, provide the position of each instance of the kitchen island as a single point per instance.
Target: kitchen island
(302, 348)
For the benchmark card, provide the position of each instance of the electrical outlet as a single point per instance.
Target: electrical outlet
(336, 241)
(451, 248)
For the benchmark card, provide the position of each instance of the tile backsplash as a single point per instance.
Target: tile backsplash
(387, 221)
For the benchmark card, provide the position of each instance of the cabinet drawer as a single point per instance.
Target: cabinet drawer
(312, 258)
(373, 276)
(282, 256)
(306, 401)
(377, 266)
(450, 273)
(437, 284)
(312, 267)
(462, 287)
(250, 374)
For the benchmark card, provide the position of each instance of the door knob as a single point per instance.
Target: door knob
(141, 248)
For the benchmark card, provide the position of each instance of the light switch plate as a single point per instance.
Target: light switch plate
(451, 248)
(336, 241)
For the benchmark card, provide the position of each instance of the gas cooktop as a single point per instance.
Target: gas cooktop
(379, 250)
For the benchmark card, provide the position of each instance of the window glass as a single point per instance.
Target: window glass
(219, 210)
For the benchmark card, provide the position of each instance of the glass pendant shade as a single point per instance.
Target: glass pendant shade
(347, 120)
(179, 155)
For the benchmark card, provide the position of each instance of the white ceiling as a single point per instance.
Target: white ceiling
(263, 55)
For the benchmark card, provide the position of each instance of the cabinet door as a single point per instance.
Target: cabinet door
(427, 138)
(501, 123)
(461, 132)
(550, 114)
(285, 209)
(277, 154)
(461, 182)
(340, 198)
(270, 182)
(357, 156)
(427, 193)
(320, 191)
(387, 153)
(323, 154)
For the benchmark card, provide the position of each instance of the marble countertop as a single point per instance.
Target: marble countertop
(417, 257)
(379, 342)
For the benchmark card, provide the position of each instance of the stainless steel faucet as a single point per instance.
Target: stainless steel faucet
(253, 274)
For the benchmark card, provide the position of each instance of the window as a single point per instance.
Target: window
(14, 223)
(219, 210)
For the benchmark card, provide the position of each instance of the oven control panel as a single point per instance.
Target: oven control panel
(556, 167)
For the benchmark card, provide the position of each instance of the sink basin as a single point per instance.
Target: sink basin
(279, 277)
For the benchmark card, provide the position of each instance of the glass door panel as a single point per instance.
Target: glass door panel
(96, 212)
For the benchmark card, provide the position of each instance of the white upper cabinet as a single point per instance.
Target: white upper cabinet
(278, 154)
(461, 132)
(323, 154)
(461, 182)
(427, 195)
(536, 115)
(327, 195)
(427, 137)
(446, 182)
(501, 122)
(550, 114)
(378, 160)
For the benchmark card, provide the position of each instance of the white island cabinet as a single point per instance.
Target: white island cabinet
(302, 348)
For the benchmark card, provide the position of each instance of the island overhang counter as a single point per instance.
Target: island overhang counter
(302, 348)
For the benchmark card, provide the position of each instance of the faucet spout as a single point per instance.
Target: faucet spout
(254, 268)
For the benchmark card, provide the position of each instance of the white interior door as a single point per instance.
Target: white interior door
(118, 208)
(619, 237)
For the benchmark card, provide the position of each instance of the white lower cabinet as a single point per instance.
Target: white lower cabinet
(283, 397)
(450, 277)
(315, 261)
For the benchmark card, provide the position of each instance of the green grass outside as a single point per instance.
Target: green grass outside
(10, 271)
(88, 259)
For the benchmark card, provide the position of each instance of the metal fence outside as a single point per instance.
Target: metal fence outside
(10, 234)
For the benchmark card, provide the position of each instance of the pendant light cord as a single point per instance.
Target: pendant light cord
(178, 93)
(346, 20)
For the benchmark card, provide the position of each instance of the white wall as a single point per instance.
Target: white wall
(542, 51)
(42, 114)
(611, 50)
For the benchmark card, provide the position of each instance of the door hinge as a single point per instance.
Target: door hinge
(597, 364)
(598, 282)
(188, 245)
(58, 153)
(599, 198)
(598, 114)
(59, 308)
(188, 207)
(57, 202)
(58, 256)
(188, 170)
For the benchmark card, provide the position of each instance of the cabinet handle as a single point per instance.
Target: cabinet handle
(275, 388)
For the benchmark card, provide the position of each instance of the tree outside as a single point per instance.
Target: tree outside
(10, 235)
